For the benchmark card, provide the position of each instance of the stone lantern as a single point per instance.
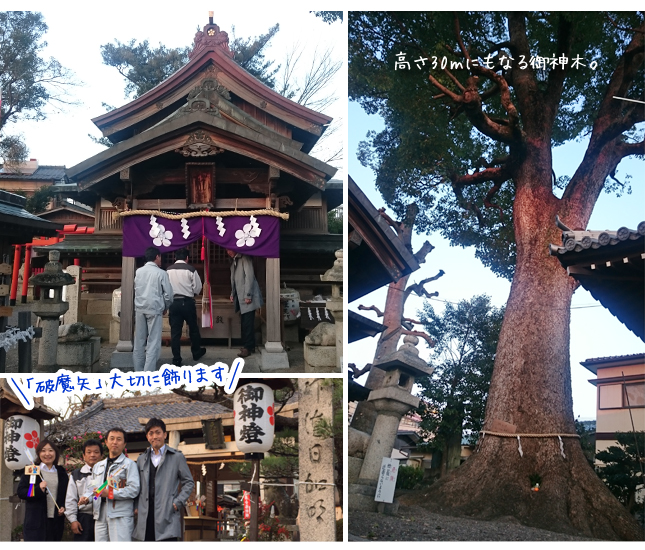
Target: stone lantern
(392, 401)
(335, 303)
(49, 309)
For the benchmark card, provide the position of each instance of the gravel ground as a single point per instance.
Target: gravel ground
(413, 523)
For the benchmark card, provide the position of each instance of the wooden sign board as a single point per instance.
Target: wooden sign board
(6, 269)
(4, 290)
(6, 311)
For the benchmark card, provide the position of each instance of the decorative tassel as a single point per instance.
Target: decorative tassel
(32, 481)
(519, 447)
(203, 249)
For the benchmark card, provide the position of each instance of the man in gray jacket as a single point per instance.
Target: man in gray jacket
(152, 297)
(166, 484)
(113, 486)
(246, 295)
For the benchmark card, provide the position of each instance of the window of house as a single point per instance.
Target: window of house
(610, 396)
(634, 395)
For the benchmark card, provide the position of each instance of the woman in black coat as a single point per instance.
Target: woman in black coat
(37, 526)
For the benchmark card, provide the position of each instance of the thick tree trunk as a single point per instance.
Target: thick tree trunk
(451, 454)
(531, 390)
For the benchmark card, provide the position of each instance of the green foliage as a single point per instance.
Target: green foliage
(16, 533)
(143, 67)
(587, 441)
(29, 82)
(622, 470)
(14, 152)
(73, 453)
(409, 477)
(329, 16)
(249, 54)
(535, 479)
(334, 223)
(37, 202)
(430, 143)
(454, 397)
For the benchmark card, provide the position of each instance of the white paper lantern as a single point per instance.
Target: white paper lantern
(254, 418)
(21, 435)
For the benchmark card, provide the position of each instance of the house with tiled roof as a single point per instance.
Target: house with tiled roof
(29, 176)
(620, 405)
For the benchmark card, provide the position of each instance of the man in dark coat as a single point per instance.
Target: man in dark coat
(166, 484)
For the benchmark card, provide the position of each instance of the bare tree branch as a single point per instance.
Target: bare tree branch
(379, 313)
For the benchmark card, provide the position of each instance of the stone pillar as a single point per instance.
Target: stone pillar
(273, 354)
(335, 304)
(316, 459)
(173, 439)
(122, 357)
(391, 402)
(73, 296)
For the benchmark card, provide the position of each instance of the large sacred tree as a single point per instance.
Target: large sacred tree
(473, 104)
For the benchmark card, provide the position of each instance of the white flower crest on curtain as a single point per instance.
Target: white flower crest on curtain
(160, 237)
(247, 235)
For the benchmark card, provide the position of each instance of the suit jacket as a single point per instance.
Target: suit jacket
(172, 473)
(34, 527)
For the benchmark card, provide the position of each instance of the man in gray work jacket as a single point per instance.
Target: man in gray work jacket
(114, 505)
(152, 297)
(166, 484)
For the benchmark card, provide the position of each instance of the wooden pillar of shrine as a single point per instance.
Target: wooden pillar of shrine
(122, 357)
(273, 354)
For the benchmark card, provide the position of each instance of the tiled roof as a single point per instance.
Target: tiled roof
(635, 356)
(125, 413)
(42, 173)
(12, 212)
(611, 266)
(577, 241)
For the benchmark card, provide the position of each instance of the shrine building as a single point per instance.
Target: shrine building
(210, 159)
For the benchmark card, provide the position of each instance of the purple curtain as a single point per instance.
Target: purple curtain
(253, 236)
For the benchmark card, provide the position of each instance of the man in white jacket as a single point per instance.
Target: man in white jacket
(117, 478)
(81, 518)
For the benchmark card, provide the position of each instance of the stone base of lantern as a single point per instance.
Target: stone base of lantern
(79, 354)
(354, 466)
(388, 508)
(320, 358)
(361, 497)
